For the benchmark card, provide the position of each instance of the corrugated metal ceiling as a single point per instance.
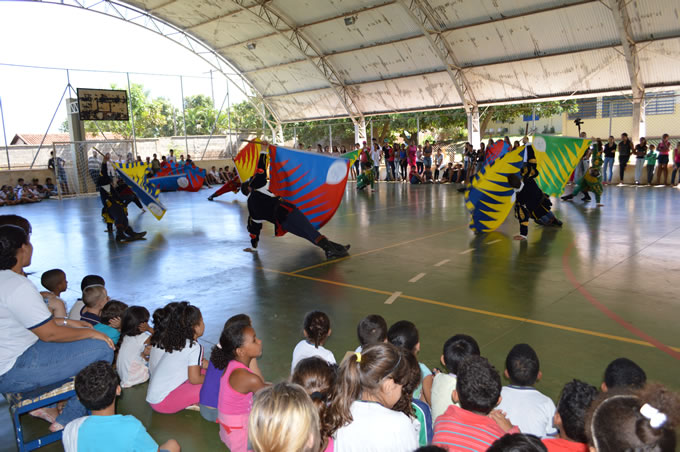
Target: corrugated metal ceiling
(508, 50)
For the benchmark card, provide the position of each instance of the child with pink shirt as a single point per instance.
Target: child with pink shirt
(176, 361)
(240, 346)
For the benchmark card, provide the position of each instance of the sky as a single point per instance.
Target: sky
(55, 36)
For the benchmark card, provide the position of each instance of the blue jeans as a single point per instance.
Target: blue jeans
(47, 365)
(608, 163)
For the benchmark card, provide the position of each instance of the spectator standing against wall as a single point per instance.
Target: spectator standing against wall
(676, 162)
(625, 148)
(664, 149)
(375, 156)
(93, 165)
(609, 155)
(640, 154)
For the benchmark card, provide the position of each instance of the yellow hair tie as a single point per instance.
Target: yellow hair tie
(358, 355)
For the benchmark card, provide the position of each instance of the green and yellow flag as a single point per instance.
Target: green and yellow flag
(556, 159)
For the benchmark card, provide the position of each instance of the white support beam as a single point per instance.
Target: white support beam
(285, 28)
(426, 18)
(630, 52)
(360, 132)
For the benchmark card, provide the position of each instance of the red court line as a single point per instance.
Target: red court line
(609, 313)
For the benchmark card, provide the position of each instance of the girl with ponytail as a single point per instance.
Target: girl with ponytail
(317, 330)
(239, 348)
(361, 415)
(644, 420)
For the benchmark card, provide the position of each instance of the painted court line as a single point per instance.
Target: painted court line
(445, 261)
(363, 253)
(417, 277)
(493, 241)
(473, 310)
(393, 297)
(468, 251)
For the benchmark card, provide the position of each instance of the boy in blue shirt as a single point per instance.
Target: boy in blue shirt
(97, 386)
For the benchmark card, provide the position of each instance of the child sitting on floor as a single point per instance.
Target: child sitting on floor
(474, 425)
(238, 383)
(87, 281)
(404, 334)
(372, 329)
(210, 391)
(525, 406)
(317, 330)
(97, 386)
(570, 418)
(94, 299)
(176, 358)
(110, 319)
(623, 373)
(55, 282)
(642, 420)
(317, 377)
(361, 415)
(456, 348)
(135, 346)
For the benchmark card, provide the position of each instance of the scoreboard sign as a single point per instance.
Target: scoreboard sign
(103, 104)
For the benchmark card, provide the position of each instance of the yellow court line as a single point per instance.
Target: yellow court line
(300, 270)
(473, 310)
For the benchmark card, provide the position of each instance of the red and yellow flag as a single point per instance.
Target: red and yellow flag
(246, 160)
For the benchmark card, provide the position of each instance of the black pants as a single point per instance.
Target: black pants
(420, 167)
(623, 161)
(402, 167)
(297, 223)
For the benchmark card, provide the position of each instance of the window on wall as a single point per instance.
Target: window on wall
(616, 107)
(660, 103)
(587, 108)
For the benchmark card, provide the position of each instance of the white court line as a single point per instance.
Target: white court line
(417, 277)
(493, 241)
(393, 297)
(467, 251)
(439, 264)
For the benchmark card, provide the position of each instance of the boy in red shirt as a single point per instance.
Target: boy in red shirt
(570, 418)
(475, 425)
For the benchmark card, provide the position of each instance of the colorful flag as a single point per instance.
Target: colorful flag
(352, 156)
(173, 176)
(490, 198)
(556, 159)
(134, 175)
(246, 160)
(496, 150)
(315, 183)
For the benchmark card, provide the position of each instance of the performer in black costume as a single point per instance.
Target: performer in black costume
(263, 205)
(531, 202)
(114, 208)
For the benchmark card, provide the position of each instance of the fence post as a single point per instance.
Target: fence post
(132, 116)
(4, 133)
(184, 117)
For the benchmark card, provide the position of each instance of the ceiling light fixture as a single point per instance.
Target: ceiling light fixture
(251, 46)
(350, 20)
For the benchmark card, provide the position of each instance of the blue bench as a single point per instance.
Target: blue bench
(20, 404)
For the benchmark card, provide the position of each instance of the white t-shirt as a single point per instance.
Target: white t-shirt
(375, 428)
(170, 370)
(74, 313)
(132, 368)
(375, 155)
(443, 386)
(306, 350)
(21, 309)
(529, 410)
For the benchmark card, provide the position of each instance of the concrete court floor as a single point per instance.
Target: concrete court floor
(581, 295)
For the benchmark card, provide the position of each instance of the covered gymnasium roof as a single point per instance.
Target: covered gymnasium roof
(314, 59)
